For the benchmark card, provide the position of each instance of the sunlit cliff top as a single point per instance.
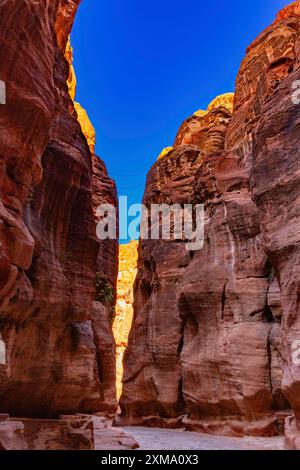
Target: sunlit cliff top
(221, 101)
(83, 119)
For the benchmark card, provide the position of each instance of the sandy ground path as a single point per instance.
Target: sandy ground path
(169, 439)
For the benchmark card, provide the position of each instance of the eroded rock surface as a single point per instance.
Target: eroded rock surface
(275, 185)
(67, 433)
(108, 437)
(58, 338)
(204, 342)
(11, 434)
(214, 329)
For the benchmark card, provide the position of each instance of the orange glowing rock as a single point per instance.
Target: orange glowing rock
(221, 101)
(164, 152)
(128, 255)
(72, 82)
(200, 113)
(83, 119)
(86, 126)
(290, 10)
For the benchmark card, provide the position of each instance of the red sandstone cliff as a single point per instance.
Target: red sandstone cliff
(56, 327)
(274, 116)
(204, 343)
(214, 329)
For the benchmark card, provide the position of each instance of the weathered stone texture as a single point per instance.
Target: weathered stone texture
(57, 340)
(214, 329)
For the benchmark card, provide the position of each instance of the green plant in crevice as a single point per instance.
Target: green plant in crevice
(104, 290)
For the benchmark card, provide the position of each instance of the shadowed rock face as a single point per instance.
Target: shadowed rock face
(204, 341)
(104, 192)
(268, 118)
(214, 329)
(275, 188)
(58, 338)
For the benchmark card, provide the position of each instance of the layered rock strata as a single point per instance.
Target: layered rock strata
(104, 191)
(55, 319)
(269, 111)
(215, 330)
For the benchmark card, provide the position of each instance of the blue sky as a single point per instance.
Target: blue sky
(144, 66)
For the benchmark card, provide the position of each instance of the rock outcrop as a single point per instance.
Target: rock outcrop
(66, 433)
(55, 325)
(214, 329)
(108, 437)
(69, 432)
(11, 434)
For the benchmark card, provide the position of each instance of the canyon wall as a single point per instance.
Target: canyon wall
(214, 329)
(272, 110)
(55, 318)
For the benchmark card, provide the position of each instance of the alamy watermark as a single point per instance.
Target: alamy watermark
(2, 92)
(157, 222)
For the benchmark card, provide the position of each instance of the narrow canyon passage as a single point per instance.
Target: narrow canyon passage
(203, 338)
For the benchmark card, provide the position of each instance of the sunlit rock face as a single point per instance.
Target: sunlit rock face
(222, 101)
(57, 334)
(207, 129)
(164, 152)
(82, 116)
(128, 255)
(72, 80)
(214, 330)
